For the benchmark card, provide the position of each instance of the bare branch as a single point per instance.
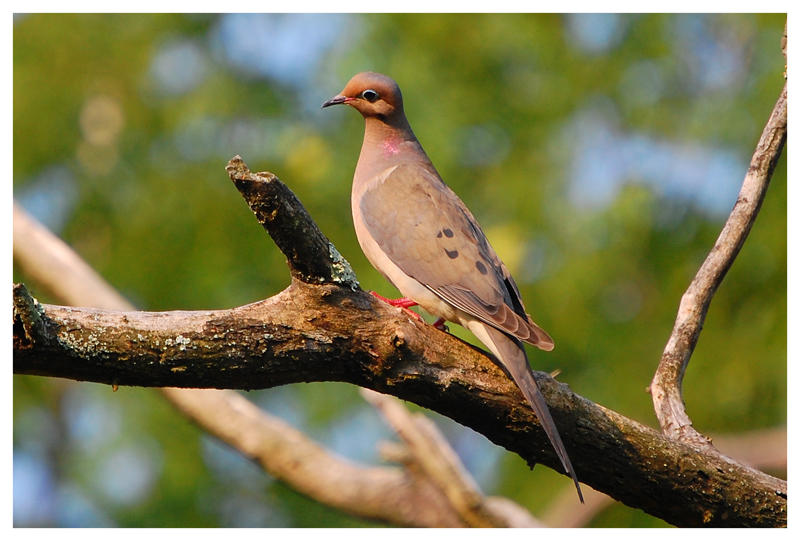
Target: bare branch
(306, 334)
(384, 494)
(378, 493)
(428, 455)
(762, 449)
(666, 386)
(55, 265)
(313, 332)
(311, 256)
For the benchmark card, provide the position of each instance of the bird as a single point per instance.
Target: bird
(421, 237)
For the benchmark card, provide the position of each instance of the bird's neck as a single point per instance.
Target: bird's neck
(387, 143)
(396, 128)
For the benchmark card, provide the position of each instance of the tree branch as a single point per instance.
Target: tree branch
(392, 495)
(428, 456)
(385, 494)
(316, 332)
(666, 387)
(311, 257)
(762, 449)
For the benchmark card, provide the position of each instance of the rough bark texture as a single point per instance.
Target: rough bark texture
(328, 332)
(402, 496)
(324, 328)
(310, 255)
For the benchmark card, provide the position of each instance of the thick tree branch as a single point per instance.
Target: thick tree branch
(400, 497)
(761, 449)
(305, 334)
(327, 332)
(667, 383)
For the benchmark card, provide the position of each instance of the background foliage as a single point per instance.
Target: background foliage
(601, 154)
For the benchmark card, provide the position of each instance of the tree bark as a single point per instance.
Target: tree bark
(403, 496)
(319, 330)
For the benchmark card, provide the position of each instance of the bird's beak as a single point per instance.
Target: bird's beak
(336, 100)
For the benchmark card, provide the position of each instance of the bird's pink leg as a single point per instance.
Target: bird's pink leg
(405, 303)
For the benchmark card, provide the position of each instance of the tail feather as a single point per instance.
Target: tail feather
(511, 353)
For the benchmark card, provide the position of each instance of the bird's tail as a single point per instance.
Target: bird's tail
(511, 353)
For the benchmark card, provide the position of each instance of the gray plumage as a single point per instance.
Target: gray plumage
(417, 232)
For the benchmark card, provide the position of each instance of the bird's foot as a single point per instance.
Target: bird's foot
(405, 303)
(439, 324)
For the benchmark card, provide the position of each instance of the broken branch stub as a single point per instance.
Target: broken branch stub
(311, 257)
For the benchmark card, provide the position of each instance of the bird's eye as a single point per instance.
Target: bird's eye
(370, 95)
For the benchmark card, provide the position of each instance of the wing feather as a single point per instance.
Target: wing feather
(432, 237)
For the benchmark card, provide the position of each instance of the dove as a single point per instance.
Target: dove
(422, 238)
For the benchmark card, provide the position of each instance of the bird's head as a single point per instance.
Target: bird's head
(372, 95)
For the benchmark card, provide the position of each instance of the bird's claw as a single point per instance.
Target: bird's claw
(405, 303)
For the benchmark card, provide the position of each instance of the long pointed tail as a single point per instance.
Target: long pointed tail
(511, 353)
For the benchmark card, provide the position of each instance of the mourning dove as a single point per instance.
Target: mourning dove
(418, 233)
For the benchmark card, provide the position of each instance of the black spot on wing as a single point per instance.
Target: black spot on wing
(448, 233)
(452, 254)
(481, 268)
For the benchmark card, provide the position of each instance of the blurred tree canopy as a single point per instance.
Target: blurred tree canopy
(601, 153)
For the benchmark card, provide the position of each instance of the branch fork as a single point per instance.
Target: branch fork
(306, 333)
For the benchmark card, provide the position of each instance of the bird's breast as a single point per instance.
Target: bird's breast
(408, 286)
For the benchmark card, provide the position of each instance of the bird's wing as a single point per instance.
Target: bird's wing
(425, 229)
